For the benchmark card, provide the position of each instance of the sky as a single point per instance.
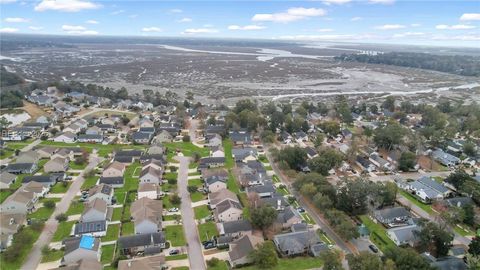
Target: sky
(437, 23)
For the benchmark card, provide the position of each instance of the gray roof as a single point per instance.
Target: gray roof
(391, 213)
(214, 178)
(236, 226)
(90, 227)
(20, 166)
(429, 186)
(285, 215)
(138, 240)
(227, 204)
(267, 187)
(405, 233)
(39, 178)
(111, 180)
(90, 137)
(458, 201)
(6, 177)
(296, 240)
(449, 263)
(241, 153)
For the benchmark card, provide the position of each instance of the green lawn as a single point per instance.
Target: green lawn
(60, 187)
(378, 234)
(227, 147)
(268, 168)
(194, 174)
(308, 218)
(90, 182)
(275, 179)
(63, 231)
(177, 257)
(283, 191)
(232, 184)
(222, 265)
(4, 193)
(262, 158)
(131, 182)
(128, 228)
(53, 255)
(198, 196)
(75, 208)
(426, 207)
(297, 263)
(16, 264)
(42, 213)
(171, 217)
(171, 176)
(207, 230)
(201, 212)
(75, 166)
(117, 213)
(192, 165)
(167, 204)
(5, 153)
(120, 196)
(195, 182)
(187, 148)
(175, 235)
(113, 230)
(107, 254)
(463, 231)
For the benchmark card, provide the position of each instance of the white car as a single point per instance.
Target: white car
(173, 209)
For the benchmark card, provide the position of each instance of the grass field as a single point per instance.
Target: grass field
(175, 235)
(75, 208)
(75, 166)
(426, 207)
(207, 231)
(298, 263)
(63, 231)
(222, 265)
(187, 148)
(177, 257)
(201, 212)
(117, 213)
(107, 254)
(198, 196)
(113, 230)
(42, 213)
(227, 147)
(60, 187)
(232, 184)
(120, 196)
(89, 182)
(378, 234)
(32, 238)
(128, 228)
(4, 193)
(53, 255)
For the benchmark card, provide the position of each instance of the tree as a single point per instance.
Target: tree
(407, 161)
(373, 108)
(343, 109)
(434, 239)
(327, 159)
(342, 224)
(175, 199)
(364, 261)
(318, 139)
(331, 260)
(295, 157)
(263, 217)
(213, 262)
(389, 135)
(61, 217)
(407, 259)
(49, 204)
(469, 148)
(469, 214)
(245, 105)
(474, 246)
(389, 103)
(332, 128)
(353, 196)
(192, 189)
(322, 201)
(458, 178)
(264, 256)
(473, 262)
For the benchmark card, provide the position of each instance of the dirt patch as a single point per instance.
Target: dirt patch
(33, 110)
(426, 163)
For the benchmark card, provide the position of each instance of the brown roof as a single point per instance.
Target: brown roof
(148, 187)
(146, 208)
(48, 150)
(33, 186)
(215, 172)
(97, 204)
(21, 196)
(143, 263)
(83, 264)
(102, 188)
(117, 166)
(10, 222)
(151, 170)
(225, 205)
(243, 246)
(221, 195)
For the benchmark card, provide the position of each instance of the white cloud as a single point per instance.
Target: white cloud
(116, 12)
(200, 31)
(185, 20)
(323, 30)
(92, 22)
(8, 30)
(35, 28)
(7, 1)
(66, 5)
(415, 25)
(454, 27)
(175, 10)
(337, 2)
(390, 27)
(78, 30)
(16, 20)
(470, 17)
(292, 14)
(460, 37)
(151, 29)
(246, 27)
(354, 19)
(409, 34)
(385, 2)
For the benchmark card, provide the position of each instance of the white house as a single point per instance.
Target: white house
(228, 210)
(95, 210)
(149, 190)
(66, 137)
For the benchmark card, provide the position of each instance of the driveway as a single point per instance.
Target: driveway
(194, 247)
(51, 225)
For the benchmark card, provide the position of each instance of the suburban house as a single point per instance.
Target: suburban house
(21, 168)
(83, 247)
(156, 149)
(144, 263)
(263, 191)
(147, 215)
(215, 183)
(141, 137)
(39, 189)
(95, 130)
(149, 243)
(150, 175)
(287, 217)
(115, 169)
(46, 180)
(115, 182)
(285, 137)
(311, 152)
(135, 154)
(235, 229)
(9, 225)
(444, 158)
(296, 243)
(393, 217)
(381, 163)
(300, 136)
(47, 152)
(95, 210)
(83, 264)
(92, 228)
(102, 191)
(427, 189)
(149, 190)
(239, 253)
(163, 136)
(6, 179)
(217, 151)
(242, 137)
(56, 165)
(244, 154)
(403, 235)
(66, 137)
(153, 163)
(28, 157)
(20, 202)
(228, 210)
(217, 197)
(214, 140)
(90, 138)
(211, 162)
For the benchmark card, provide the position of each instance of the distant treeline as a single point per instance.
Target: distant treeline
(455, 64)
(8, 78)
(10, 98)
(14, 44)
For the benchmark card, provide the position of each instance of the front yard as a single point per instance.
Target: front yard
(378, 234)
(63, 231)
(207, 230)
(201, 212)
(175, 235)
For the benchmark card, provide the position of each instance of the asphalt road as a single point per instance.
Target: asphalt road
(194, 247)
(51, 225)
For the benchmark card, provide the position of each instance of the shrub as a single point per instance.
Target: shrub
(173, 168)
(61, 217)
(49, 204)
(175, 199)
(213, 262)
(192, 189)
(186, 138)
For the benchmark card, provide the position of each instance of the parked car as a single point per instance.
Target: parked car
(174, 252)
(373, 248)
(301, 210)
(173, 209)
(209, 244)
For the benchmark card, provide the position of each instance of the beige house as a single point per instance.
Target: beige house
(6, 179)
(150, 175)
(83, 264)
(147, 215)
(47, 151)
(228, 210)
(143, 263)
(115, 169)
(241, 249)
(95, 210)
(149, 190)
(56, 165)
(102, 191)
(85, 247)
(217, 197)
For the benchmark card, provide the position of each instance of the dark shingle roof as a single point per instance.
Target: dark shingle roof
(90, 227)
(147, 239)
